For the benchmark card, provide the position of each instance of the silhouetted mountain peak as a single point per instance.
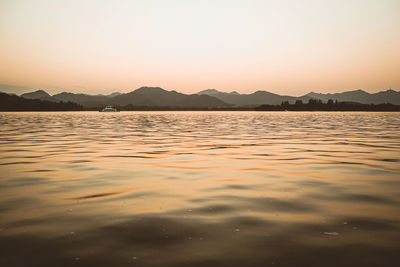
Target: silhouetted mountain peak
(215, 92)
(358, 91)
(76, 95)
(41, 92)
(113, 94)
(262, 92)
(156, 96)
(36, 94)
(209, 92)
(149, 89)
(66, 93)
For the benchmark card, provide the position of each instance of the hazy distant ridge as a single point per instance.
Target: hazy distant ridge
(360, 96)
(144, 96)
(39, 94)
(254, 99)
(264, 97)
(82, 99)
(156, 96)
(19, 103)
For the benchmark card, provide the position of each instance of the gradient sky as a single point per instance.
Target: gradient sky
(285, 47)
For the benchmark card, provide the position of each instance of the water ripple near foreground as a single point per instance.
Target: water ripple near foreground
(199, 188)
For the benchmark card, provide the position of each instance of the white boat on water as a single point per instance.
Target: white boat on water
(109, 109)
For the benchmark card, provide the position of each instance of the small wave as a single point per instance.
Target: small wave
(99, 195)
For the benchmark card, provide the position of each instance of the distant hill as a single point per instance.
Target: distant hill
(254, 99)
(83, 99)
(18, 103)
(215, 92)
(267, 98)
(113, 94)
(39, 94)
(360, 96)
(156, 96)
(36, 95)
(110, 95)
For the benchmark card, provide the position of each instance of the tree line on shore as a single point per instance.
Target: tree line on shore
(330, 105)
(311, 105)
(16, 103)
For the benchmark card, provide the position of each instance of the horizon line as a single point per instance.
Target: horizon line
(24, 89)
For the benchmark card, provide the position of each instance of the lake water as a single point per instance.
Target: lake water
(199, 189)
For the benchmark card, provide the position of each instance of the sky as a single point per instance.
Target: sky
(284, 46)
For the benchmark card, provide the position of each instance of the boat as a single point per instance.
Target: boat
(109, 109)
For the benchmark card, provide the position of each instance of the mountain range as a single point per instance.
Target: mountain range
(16, 103)
(264, 97)
(254, 99)
(210, 98)
(360, 96)
(144, 96)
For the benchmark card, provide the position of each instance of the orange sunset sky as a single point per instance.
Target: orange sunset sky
(285, 47)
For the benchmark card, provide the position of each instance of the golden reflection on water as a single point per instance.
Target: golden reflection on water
(245, 174)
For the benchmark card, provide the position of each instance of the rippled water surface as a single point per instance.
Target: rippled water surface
(199, 188)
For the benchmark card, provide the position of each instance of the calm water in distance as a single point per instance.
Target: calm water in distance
(199, 189)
